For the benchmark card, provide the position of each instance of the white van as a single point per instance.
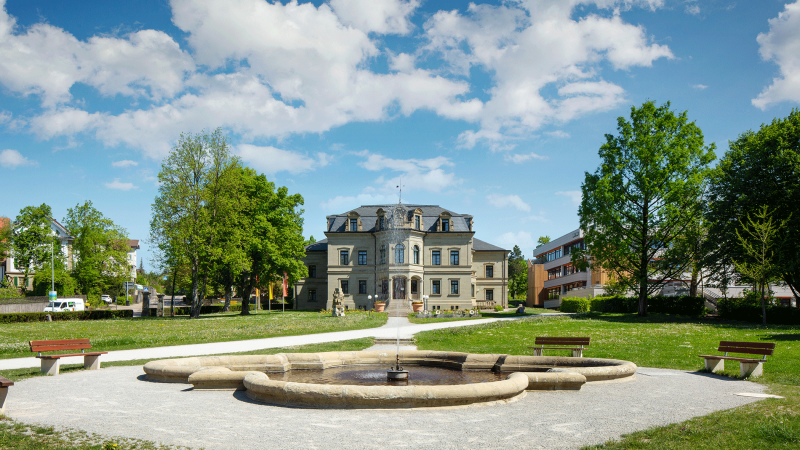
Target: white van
(65, 304)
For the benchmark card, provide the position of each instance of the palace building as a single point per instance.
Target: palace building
(403, 252)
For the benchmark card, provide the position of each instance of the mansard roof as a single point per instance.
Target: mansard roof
(369, 216)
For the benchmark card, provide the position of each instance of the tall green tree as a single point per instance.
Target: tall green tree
(517, 273)
(761, 237)
(645, 194)
(543, 240)
(100, 248)
(274, 242)
(761, 168)
(31, 240)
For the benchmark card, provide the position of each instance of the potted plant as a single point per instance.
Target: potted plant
(379, 306)
(416, 306)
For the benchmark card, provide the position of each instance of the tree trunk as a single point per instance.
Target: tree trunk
(246, 298)
(643, 298)
(196, 301)
(693, 283)
(228, 295)
(763, 305)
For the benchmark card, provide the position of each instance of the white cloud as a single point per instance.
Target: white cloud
(575, 196)
(692, 9)
(402, 62)
(560, 134)
(124, 163)
(501, 201)
(46, 60)
(509, 239)
(699, 87)
(380, 16)
(116, 184)
(271, 160)
(521, 158)
(532, 45)
(416, 174)
(12, 159)
(782, 45)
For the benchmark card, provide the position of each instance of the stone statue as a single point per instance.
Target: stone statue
(337, 308)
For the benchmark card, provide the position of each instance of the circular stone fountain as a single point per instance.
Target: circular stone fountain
(251, 373)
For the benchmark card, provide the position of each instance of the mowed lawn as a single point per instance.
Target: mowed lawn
(668, 342)
(122, 334)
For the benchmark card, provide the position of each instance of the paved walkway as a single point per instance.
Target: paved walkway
(118, 402)
(390, 330)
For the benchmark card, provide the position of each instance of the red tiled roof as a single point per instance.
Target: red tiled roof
(133, 243)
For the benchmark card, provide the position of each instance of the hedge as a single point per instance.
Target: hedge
(574, 304)
(67, 315)
(205, 309)
(684, 305)
(749, 310)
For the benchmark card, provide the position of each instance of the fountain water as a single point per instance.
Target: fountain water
(393, 233)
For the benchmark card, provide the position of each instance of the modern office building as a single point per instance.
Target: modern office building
(552, 275)
(403, 252)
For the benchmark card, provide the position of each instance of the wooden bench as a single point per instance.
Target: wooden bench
(4, 384)
(91, 360)
(748, 367)
(576, 344)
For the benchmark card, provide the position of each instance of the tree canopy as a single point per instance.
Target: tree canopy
(31, 239)
(645, 194)
(517, 273)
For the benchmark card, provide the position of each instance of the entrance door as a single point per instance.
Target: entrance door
(399, 288)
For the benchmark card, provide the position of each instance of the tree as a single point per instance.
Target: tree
(186, 207)
(643, 197)
(517, 272)
(5, 241)
(760, 239)
(274, 242)
(543, 240)
(31, 239)
(100, 248)
(760, 169)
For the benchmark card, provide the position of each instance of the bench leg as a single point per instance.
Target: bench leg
(577, 353)
(537, 352)
(752, 370)
(91, 362)
(50, 366)
(715, 365)
(3, 394)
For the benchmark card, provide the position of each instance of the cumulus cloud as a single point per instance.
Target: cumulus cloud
(693, 9)
(124, 163)
(782, 45)
(521, 158)
(415, 174)
(12, 159)
(509, 239)
(502, 201)
(575, 196)
(699, 87)
(560, 134)
(381, 16)
(116, 184)
(272, 160)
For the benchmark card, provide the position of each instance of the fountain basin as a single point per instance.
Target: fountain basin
(250, 372)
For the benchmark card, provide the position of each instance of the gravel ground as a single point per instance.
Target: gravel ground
(117, 401)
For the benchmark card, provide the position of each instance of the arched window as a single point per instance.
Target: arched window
(383, 254)
(399, 254)
(416, 254)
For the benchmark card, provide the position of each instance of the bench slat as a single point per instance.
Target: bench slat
(71, 354)
(59, 348)
(5, 382)
(731, 358)
(752, 351)
(769, 345)
(562, 341)
(61, 341)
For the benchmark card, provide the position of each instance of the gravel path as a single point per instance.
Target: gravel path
(117, 401)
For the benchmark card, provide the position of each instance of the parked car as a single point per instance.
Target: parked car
(65, 304)
(106, 298)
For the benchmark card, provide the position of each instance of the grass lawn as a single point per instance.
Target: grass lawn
(122, 334)
(19, 436)
(668, 342)
(485, 315)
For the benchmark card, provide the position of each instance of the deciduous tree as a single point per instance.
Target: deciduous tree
(31, 239)
(644, 195)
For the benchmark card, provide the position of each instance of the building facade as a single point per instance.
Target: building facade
(403, 252)
(15, 277)
(552, 275)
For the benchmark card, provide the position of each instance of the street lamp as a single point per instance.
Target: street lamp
(425, 300)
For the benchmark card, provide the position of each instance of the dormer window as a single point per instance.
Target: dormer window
(416, 222)
(445, 224)
(381, 223)
(353, 224)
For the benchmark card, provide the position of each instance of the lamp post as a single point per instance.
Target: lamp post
(425, 300)
(52, 294)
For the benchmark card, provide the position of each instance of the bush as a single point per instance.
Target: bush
(498, 308)
(205, 309)
(748, 309)
(687, 306)
(68, 315)
(516, 302)
(614, 304)
(574, 304)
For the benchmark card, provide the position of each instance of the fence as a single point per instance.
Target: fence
(27, 304)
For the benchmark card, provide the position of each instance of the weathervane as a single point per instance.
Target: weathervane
(400, 186)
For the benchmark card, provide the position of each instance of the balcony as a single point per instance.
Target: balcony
(577, 276)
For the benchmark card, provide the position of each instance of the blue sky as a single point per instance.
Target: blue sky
(494, 109)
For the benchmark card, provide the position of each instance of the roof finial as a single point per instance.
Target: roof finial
(400, 197)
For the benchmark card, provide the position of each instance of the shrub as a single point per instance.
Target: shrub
(614, 304)
(67, 315)
(498, 308)
(574, 304)
(687, 306)
(748, 309)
